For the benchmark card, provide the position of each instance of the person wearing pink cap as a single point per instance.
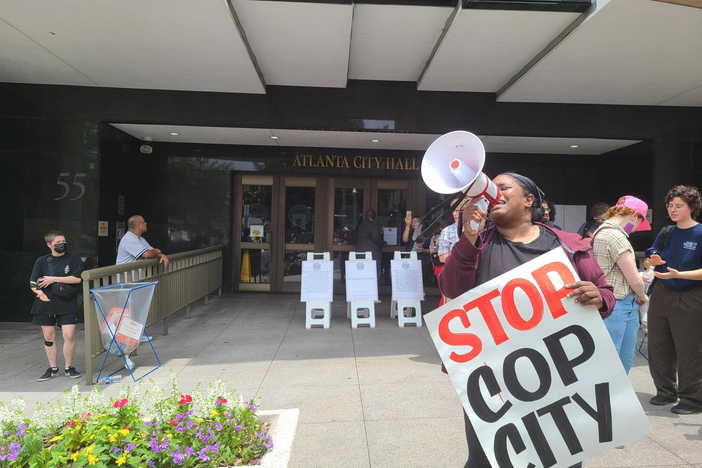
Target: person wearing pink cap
(675, 312)
(615, 255)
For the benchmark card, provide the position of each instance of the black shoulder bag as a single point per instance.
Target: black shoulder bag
(665, 241)
(60, 290)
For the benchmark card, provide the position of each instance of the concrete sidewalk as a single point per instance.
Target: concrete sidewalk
(367, 397)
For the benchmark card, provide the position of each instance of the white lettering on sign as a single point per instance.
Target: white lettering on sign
(537, 373)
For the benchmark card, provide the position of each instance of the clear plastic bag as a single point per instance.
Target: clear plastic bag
(122, 312)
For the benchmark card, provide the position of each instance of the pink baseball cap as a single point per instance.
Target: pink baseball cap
(637, 205)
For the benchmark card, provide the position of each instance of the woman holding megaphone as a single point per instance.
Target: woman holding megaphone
(513, 238)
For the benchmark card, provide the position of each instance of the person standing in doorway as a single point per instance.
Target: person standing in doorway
(54, 280)
(615, 255)
(133, 246)
(370, 238)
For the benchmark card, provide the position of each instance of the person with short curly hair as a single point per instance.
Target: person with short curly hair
(675, 311)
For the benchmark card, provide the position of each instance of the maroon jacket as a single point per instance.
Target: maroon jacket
(459, 273)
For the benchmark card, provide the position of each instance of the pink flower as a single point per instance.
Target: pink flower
(185, 399)
(70, 423)
(121, 403)
(221, 401)
(174, 421)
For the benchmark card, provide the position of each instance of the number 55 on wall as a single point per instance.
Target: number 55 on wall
(67, 188)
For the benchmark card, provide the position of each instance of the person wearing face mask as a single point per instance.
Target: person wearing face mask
(615, 255)
(54, 280)
(514, 238)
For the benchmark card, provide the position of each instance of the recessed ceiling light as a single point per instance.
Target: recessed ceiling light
(273, 137)
(174, 133)
(575, 146)
(375, 140)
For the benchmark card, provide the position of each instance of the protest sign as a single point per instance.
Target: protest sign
(407, 281)
(317, 281)
(361, 280)
(537, 373)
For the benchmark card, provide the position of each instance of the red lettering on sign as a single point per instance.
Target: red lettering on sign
(492, 321)
(509, 307)
(553, 297)
(459, 339)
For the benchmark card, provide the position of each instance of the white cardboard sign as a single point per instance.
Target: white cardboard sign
(537, 373)
(407, 283)
(317, 281)
(361, 280)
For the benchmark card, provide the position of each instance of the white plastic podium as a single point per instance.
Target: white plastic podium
(361, 312)
(407, 311)
(317, 313)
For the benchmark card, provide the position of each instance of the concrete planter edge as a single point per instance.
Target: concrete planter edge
(283, 428)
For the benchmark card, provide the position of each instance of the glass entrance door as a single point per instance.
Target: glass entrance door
(256, 212)
(302, 234)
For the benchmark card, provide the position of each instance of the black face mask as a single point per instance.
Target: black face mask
(60, 248)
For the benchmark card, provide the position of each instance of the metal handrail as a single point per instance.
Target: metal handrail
(188, 277)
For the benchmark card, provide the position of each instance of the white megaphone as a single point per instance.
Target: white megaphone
(454, 163)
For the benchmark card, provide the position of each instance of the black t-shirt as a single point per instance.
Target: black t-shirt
(69, 264)
(502, 255)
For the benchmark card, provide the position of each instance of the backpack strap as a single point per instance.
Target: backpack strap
(50, 265)
(600, 230)
(665, 236)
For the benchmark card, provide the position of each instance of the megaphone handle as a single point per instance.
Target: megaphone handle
(483, 205)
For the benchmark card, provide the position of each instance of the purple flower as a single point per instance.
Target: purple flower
(218, 426)
(178, 457)
(189, 451)
(116, 450)
(21, 430)
(159, 448)
(151, 464)
(7, 433)
(15, 449)
(202, 455)
(237, 427)
(130, 447)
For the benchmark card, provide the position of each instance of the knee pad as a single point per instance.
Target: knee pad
(48, 344)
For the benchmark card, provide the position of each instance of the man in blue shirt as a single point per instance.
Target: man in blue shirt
(133, 247)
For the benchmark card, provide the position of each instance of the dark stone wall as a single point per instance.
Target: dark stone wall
(186, 204)
(49, 180)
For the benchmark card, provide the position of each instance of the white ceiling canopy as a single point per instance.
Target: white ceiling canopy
(362, 140)
(25, 61)
(636, 52)
(298, 44)
(484, 49)
(154, 44)
(393, 42)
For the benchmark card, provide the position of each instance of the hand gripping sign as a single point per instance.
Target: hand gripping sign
(537, 373)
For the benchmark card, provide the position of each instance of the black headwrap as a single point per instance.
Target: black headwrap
(531, 187)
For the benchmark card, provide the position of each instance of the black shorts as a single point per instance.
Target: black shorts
(52, 320)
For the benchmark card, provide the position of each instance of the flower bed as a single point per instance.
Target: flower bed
(136, 430)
